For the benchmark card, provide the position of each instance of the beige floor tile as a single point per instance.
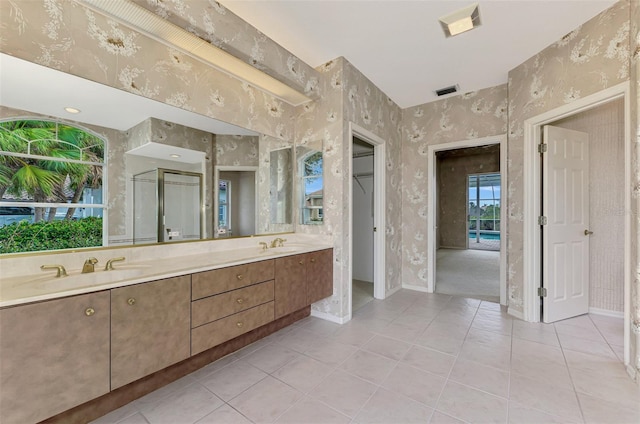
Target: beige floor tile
(415, 384)
(520, 414)
(134, 419)
(310, 411)
(441, 418)
(118, 415)
(429, 360)
(442, 340)
(407, 333)
(491, 306)
(489, 338)
(488, 379)
(536, 332)
(331, 353)
(545, 397)
(353, 334)
(265, 401)
(369, 366)
(581, 327)
(496, 325)
(387, 407)
(343, 392)
(298, 339)
(271, 357)
(541, 362)
(232, 380)
(214, 366)
(321, 327)
(388, 347)
(163, 392)
(617, 388)
(186, 405)
(303, 373)
(224, 415)
(597, 411)
(592, 347)
(497, 357)
(471, 405)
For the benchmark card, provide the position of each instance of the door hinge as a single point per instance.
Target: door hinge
(542, 148)
(542, 220)
(542, 292)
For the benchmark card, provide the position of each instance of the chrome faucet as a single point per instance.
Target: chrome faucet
(109, 266)
(89, 265)
(278, 242)
(61, 271)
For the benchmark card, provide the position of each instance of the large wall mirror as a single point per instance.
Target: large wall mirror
(81, 172)
(310, 174)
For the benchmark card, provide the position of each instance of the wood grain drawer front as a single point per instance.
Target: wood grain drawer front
(222, 280)
(213, 308)
(217, 332)
(54, 355)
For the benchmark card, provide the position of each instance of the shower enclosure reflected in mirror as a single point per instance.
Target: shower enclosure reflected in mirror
(310, 171)
(280, 185)
(168, 206)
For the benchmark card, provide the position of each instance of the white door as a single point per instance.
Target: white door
(565, 237)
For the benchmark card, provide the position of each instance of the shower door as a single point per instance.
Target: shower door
(180, 205)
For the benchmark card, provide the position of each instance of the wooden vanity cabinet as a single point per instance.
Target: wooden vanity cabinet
(319, 275)
(54, 355)
(229, 302)
(150, 328)
(291, 284)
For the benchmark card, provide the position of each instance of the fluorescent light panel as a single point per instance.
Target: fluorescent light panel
(158, 28)
(461, 20)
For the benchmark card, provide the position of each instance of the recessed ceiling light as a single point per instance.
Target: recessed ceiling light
(72, 109)
(461, 20)
(173, 155)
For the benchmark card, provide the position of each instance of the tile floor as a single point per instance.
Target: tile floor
(412, 358)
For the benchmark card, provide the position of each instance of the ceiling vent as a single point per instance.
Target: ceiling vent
(447, 90)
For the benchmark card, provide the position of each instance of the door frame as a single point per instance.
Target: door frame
(531, 252)
(432, 202)
(216, 177)
(379, 218)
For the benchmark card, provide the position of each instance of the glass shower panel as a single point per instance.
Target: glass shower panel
(145, 211)
(181, 206)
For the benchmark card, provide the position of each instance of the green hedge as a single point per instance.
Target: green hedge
(27, 237)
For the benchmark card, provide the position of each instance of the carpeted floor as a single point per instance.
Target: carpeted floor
(470, 273)
(362, 293)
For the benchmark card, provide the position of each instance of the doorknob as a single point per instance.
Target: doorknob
(587, 232)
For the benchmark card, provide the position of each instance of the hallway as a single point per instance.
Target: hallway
(414, 357)
(470, 273)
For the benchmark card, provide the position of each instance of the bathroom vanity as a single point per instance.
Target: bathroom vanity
(87, 350)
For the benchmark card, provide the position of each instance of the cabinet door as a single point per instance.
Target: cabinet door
(319, 275)
(150, 328)
(291, 284)
(54, 356)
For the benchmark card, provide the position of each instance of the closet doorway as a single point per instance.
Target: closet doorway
(363, 223)
(366, 240)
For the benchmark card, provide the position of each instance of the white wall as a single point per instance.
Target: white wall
(363, 221)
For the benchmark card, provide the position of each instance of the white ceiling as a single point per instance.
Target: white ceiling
(400, 46)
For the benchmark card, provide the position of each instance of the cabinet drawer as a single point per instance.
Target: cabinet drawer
(215, 307)
(217, 332)
(222, 280)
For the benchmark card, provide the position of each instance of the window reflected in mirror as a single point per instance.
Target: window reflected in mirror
(310, 164)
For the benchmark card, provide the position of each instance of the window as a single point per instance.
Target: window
(51, 190)
(484, 208)
(224, 203)
(312, 195)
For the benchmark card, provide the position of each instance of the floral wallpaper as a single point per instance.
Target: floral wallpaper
(635, 180)
(476, 114)
(236, 150)
(591, 58)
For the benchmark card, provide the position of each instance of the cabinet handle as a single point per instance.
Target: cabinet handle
(240, 300)
(89, 311)
(131, 301)
(239, 276)
(301, 262)
(239, 324)
(313, 260)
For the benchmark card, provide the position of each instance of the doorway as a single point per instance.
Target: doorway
(448, 219)
(614, 214)
(366, 241)
(235, 199)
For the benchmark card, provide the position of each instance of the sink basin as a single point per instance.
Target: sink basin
(284, 249)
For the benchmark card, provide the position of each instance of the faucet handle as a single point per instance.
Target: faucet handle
(264, 245)
(109, 265)
(92, 261)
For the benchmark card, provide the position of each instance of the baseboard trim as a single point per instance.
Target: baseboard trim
(415, 288)
(606, 313)
(328, 317)
(392, 291)
(514, 313)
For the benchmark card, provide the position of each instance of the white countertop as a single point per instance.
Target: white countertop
(21, 289)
